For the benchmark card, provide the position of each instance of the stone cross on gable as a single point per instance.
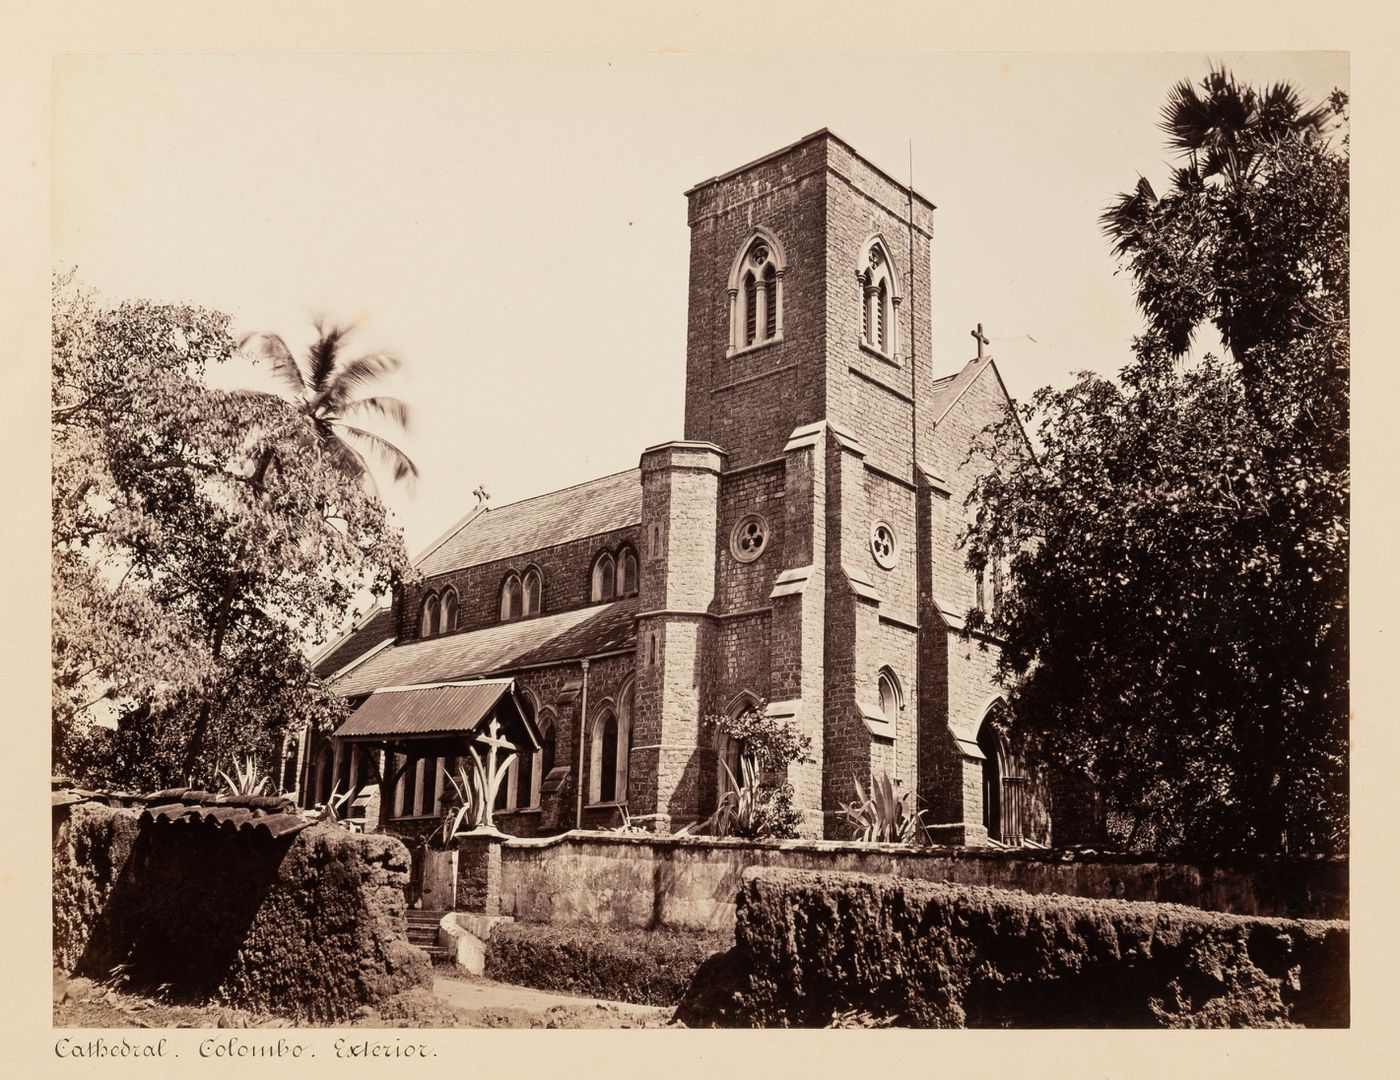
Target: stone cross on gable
(481, 494)
(982, 339)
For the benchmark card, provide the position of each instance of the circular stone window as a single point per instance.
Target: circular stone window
(883, 544)
(749, 538)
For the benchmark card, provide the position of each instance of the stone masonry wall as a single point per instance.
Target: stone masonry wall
(690, 883)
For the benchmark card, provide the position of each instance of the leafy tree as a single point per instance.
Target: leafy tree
(1175, 630)
(1252, 235)
(161, 485)
(323, 391)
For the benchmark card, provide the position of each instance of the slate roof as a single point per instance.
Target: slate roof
(371, 631)
(571, 513)
(948, 389)
(584, 631)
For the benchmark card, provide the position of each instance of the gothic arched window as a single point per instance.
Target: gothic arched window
(428, 626)
(879, 299)
(544, 760)
(449, 610)
(729, 750)
(891, 695)
(626, 572)
(511, 602)
(531, 591)
(756, 293)
(611, 747)
(604, 577)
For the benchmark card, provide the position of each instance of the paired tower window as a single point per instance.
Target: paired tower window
(879, 298)
(756, 293)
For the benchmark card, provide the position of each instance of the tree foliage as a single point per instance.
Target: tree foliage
(164, 491)
(1175, 629)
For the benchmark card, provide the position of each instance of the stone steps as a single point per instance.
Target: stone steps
(423, 932)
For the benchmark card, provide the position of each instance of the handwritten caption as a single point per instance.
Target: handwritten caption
(237, 1047)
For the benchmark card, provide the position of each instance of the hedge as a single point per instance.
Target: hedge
(814, 947)
(645, 967)
(311, 927)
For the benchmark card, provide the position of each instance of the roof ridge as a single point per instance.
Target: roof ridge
(483, 510)
(566, 487)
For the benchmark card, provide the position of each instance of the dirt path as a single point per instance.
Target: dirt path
(524, 1007)
(453, 1003)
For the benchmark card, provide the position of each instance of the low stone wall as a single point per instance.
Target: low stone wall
(812, 949)
(689, 883)
(311, 926)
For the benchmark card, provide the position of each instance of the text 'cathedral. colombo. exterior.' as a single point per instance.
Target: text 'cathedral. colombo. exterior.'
(799, 546)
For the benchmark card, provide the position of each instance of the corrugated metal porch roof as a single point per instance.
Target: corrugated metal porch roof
(432, 709)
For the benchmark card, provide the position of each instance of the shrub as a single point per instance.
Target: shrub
(309, 927)
(645, 967)
(752, 807)
(815, 948)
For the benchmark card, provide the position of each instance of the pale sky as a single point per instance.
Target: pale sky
(513, 227)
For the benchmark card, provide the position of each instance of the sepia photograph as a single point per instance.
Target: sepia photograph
(671, 540)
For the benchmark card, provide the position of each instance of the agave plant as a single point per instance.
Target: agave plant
(738, 809)
(476, 794)
(336, 807)
(246, 780)
(625, 824)
(886, 815)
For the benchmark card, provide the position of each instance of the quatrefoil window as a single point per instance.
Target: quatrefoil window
(884, 545)
(759, 255)
(749, 538)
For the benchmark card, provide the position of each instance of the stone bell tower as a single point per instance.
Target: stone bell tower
(784, 554)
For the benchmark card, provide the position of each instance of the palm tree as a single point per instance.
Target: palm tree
(1195, 251)
(324, 387)
(1222, 130)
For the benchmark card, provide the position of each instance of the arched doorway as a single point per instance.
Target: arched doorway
(1003, 780)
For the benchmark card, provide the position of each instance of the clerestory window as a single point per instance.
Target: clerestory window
(428, 624)
(512, 601)
(531, 592)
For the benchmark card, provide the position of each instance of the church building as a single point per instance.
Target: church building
(797, 547)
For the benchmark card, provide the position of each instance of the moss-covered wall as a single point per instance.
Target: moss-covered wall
(811, 947)
(311, 926)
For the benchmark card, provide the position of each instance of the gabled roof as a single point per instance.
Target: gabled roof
(948, 390)
(585, 631)
(572, 513)
(373, 630)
